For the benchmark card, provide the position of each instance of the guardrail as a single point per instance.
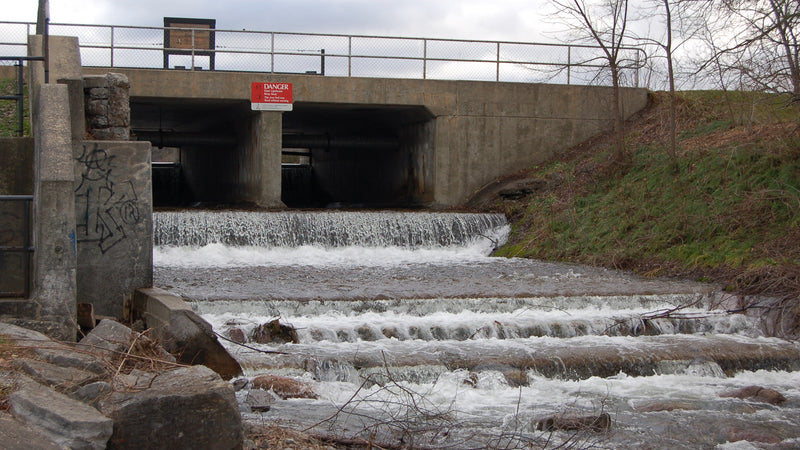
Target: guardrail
(15, 239)
(333, 54)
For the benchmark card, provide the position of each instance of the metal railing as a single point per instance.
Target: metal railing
(19, 97)
(337, 55)
(15, 239)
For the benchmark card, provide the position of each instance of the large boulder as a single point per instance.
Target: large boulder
(190, 407)
(65, 421)
(182, 332)
(15, 435)
(113, 341)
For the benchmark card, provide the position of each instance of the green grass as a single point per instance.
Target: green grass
(733, 196)
(9, 119)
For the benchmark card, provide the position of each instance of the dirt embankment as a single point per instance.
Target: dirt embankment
(723, 207)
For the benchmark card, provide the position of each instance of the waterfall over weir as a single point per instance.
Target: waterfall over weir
(411, 334)
(326, 229)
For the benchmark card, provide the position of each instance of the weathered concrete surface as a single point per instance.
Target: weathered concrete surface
(16, 172)
(54, 235)
(114, 223)
(267, 148)
(64, 64)
(185, 408)
(182, 332)
(67, 422)
(479, 130)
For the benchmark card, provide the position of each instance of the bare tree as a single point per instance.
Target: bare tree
(604, 23)
(682, 20)
(761, 48)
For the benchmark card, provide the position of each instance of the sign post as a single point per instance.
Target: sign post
(271, 96)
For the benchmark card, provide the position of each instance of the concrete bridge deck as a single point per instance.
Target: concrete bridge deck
(369, 141)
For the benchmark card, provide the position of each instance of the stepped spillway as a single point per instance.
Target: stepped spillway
(404, 320)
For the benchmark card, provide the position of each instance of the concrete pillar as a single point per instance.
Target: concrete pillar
(55, 252)
(267, 146)
(64, 63)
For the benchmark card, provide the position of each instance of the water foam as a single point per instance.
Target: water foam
(242, 239)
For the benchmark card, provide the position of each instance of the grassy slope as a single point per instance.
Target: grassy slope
(730, 212)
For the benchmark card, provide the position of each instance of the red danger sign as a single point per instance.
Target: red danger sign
(271, 96)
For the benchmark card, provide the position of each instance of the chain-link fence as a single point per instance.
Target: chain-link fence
(333, 55)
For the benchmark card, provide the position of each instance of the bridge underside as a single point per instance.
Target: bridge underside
(353, 142)
(333, 155)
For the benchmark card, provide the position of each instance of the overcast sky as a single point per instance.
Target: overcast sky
(511, 20)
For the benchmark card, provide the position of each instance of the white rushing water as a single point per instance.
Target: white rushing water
(408, 329)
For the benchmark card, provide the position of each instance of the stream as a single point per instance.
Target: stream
(410, 333)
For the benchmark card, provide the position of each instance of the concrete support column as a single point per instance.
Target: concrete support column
(64, 64)
(54, 211)
(267, 147)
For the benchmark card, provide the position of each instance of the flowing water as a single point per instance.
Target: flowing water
(410, 333)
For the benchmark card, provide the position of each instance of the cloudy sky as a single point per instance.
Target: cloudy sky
(511, 20)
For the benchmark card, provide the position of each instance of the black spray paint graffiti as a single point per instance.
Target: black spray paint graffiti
(106, 208)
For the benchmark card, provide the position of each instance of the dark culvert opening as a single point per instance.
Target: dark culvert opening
(333, 155)
(194, 144)
(357, 156)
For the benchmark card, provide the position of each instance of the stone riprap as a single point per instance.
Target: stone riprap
(85, 396)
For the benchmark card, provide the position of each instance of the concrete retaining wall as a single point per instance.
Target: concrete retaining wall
(114, 223)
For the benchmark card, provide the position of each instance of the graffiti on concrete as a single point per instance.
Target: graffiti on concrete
(106, 207)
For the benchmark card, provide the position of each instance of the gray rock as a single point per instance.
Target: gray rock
(16, 435)
(182, 332)
(64, 355)
(239, 384)
(63, 379)
(67, 422)
(191, 407)
(52, 351)
(137, 379)
(259, 400)
(92, 392)
(108, 337)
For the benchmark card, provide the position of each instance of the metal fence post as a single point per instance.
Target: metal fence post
(20, 100)
(112, 46)
(497, 76)
(569, 62)
(424, 59)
